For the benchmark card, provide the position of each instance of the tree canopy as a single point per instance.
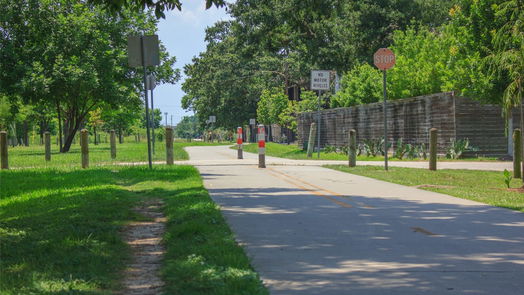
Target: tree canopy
(70, 57)
(159, 6)
(272, 43)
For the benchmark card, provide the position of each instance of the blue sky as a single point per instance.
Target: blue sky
(182, 32)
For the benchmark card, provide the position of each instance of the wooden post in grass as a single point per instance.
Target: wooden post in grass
(84, 141)
(433, 149)
(112, 140)
(311, 140)
(517, 153)
(352, 148)
(3, 150)
(169, 146)
(47, 144)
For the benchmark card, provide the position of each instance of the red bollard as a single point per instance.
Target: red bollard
(261, 146)
(239, 143)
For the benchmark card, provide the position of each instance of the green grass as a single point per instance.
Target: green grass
(482, 186)
(33, 156)
(294, 152)
(60, 232)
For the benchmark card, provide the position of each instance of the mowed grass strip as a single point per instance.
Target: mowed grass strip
(60, 232)
(482, 186)
(128, 152)
(292, 151)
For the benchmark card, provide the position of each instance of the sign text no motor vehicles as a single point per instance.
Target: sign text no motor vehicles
(320, 80)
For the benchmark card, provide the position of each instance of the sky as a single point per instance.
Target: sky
(182, 32)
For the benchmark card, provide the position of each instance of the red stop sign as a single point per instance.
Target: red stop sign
(384, 58)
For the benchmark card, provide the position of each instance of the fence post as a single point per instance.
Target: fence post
(169, 146)
(239, 143)
(84, 142)
(261, 146)
(311, 140)
(3, 150)
(112, 140)
(433, 149)
(47, 144)
(352, 148)
(517, 153)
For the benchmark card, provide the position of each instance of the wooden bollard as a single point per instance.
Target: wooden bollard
(433, 149)
(352, 148)
(47, 145)
(84, 141)
(3, 150)
(169, 146)
(112, 140)
(517, 153)
(311, 140)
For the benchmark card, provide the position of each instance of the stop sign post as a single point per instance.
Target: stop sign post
(384, 59)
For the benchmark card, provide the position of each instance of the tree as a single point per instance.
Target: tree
(122, 119)
(360, 85)
(188, 127)
(72, 56)
(159, 6)
(95, 121)
(508, 57)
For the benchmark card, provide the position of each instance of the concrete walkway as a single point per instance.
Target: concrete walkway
(312, 230)
(223, 154)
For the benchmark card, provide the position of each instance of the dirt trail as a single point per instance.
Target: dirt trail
(142, 275)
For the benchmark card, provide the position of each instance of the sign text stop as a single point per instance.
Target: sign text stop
(384, 58)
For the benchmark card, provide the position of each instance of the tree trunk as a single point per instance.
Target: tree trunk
(59, 127)
(94, 131)
(73, 125)
(26, 133)
(120, 136)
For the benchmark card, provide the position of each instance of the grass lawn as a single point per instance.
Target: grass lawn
(482, 186)
(292, 151)
(33, 156)
(60, 232)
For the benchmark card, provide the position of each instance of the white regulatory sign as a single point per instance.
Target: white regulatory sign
(252, 122)
(212, 119)
(320, 80)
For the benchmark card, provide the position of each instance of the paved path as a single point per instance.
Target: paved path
(312, 230)
(223, 154)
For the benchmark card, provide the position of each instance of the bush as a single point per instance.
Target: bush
(458, 147)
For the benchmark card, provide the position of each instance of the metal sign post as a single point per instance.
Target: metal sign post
(252, 124)
(151, 84)
(384, 59)
(319, 81)
(211, 120)
(144, 51)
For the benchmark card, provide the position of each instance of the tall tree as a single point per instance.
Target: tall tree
(73, 56)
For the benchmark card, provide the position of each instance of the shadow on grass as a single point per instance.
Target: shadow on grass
(59, 229)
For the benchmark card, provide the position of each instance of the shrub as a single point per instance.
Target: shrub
(458, 147)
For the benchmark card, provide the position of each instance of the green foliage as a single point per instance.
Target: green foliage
(361, 85)
(507, 178)
(158, 6)
(188, 127)
(273, 43)
(271, 105)
(400, 150)
(508, 58)
(458, 147)
(71, 57)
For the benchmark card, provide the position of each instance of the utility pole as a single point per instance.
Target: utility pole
(165, 114)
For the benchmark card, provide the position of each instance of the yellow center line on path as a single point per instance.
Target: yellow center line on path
(317, 192)
(361, 204)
